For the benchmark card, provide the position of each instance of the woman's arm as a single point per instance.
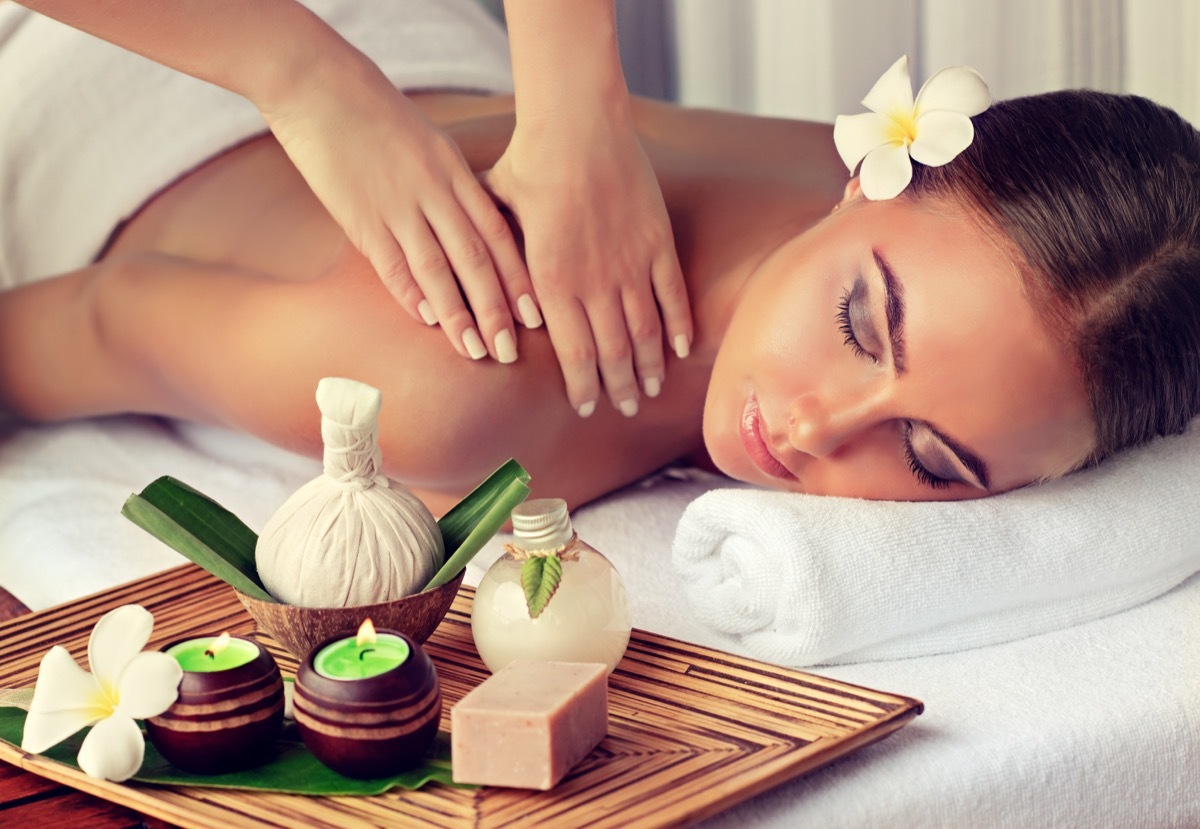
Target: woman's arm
(394, 182)
(597, 237)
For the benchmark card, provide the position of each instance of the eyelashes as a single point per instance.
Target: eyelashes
(923, 475)
(850, 340)
(847, 328)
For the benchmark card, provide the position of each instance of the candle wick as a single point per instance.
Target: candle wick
(364, 652)
(210, 654)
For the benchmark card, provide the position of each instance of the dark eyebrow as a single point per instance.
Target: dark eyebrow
(965, 456)
(893, 304)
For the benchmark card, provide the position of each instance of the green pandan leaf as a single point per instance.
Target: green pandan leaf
(291, 769)
(540, 576)
(198, 528)
(211, 523)
(195, 525)
(464, 516)
(472, 522)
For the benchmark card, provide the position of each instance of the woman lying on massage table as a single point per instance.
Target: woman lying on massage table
(1028, 308)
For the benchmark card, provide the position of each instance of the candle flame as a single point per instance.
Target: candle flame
(217, 645)
(366, 634)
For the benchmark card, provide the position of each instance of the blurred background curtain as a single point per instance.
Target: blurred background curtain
(817, 58)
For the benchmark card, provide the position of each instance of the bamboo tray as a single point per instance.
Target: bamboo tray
(692, 730)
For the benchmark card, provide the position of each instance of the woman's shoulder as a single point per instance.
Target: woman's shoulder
(729, 137)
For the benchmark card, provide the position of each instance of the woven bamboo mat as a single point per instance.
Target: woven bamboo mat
(692, 731)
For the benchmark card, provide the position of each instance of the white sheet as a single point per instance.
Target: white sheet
(1096, 725)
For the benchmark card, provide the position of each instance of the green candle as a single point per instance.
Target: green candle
(347, 659)
(213, 653)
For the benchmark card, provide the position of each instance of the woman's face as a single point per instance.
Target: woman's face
(890, 353)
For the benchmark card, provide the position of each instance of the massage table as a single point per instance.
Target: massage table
(1096, 725)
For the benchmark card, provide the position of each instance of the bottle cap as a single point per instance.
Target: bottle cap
(542, 524)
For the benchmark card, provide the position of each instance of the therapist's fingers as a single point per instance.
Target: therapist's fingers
(486, 319)
(509, 266)
(614, 352)
(670, 291)
(390, 264)
(571, 337)
(646, 337)
(442, 302)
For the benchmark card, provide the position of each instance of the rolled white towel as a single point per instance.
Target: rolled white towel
(806, 579)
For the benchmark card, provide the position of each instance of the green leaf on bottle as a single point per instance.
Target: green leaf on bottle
(540, 576)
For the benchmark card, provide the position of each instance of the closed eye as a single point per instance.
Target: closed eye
(919, 471)
(846, 324)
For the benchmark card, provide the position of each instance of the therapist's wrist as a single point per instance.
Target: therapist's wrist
(566, 62)
(311, 58)
(604, 108)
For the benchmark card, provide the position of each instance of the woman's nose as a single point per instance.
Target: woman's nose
(820, 426)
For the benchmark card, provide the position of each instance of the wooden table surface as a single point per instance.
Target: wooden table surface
(10, 606)
(30, 800)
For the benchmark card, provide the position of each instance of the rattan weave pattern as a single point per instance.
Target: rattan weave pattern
(691, 730)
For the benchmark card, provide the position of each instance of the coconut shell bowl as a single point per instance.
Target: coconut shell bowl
(300, 629)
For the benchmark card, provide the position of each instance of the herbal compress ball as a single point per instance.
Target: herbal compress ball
(351, 536)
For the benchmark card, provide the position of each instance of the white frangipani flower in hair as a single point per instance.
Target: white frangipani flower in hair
(932, 130)
(125, 684)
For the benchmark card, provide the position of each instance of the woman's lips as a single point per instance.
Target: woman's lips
(757, 448)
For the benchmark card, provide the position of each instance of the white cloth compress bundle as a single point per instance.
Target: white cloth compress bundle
(350, 536)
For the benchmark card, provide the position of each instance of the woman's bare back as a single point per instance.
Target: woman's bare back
(232, 292)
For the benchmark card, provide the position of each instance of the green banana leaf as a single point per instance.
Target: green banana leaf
(291, 768)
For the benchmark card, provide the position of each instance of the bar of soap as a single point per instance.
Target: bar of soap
(528, 724)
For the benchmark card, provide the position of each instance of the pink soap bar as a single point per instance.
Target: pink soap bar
(529, 723)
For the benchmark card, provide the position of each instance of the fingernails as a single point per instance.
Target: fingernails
(682, 349)
(629, 407)
(528, 311)
(587, 408)
(506, 347)
(652, 386)
(426, 312)
(473, 344)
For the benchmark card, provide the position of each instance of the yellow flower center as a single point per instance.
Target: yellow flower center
(106, 701)
(904, 128)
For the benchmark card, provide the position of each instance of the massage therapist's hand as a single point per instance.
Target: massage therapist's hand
(404, 195)
(600, 253)
(396, 184)
(598, 241)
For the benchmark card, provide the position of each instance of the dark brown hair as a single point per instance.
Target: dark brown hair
(1100, 195)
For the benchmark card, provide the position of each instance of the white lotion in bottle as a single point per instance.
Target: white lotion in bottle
(586, 617)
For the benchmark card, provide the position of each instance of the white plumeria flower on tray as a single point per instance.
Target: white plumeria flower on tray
(897, 131)
(125, 684)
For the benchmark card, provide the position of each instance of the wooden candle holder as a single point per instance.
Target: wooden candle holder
(223, 720)
(372, 727)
